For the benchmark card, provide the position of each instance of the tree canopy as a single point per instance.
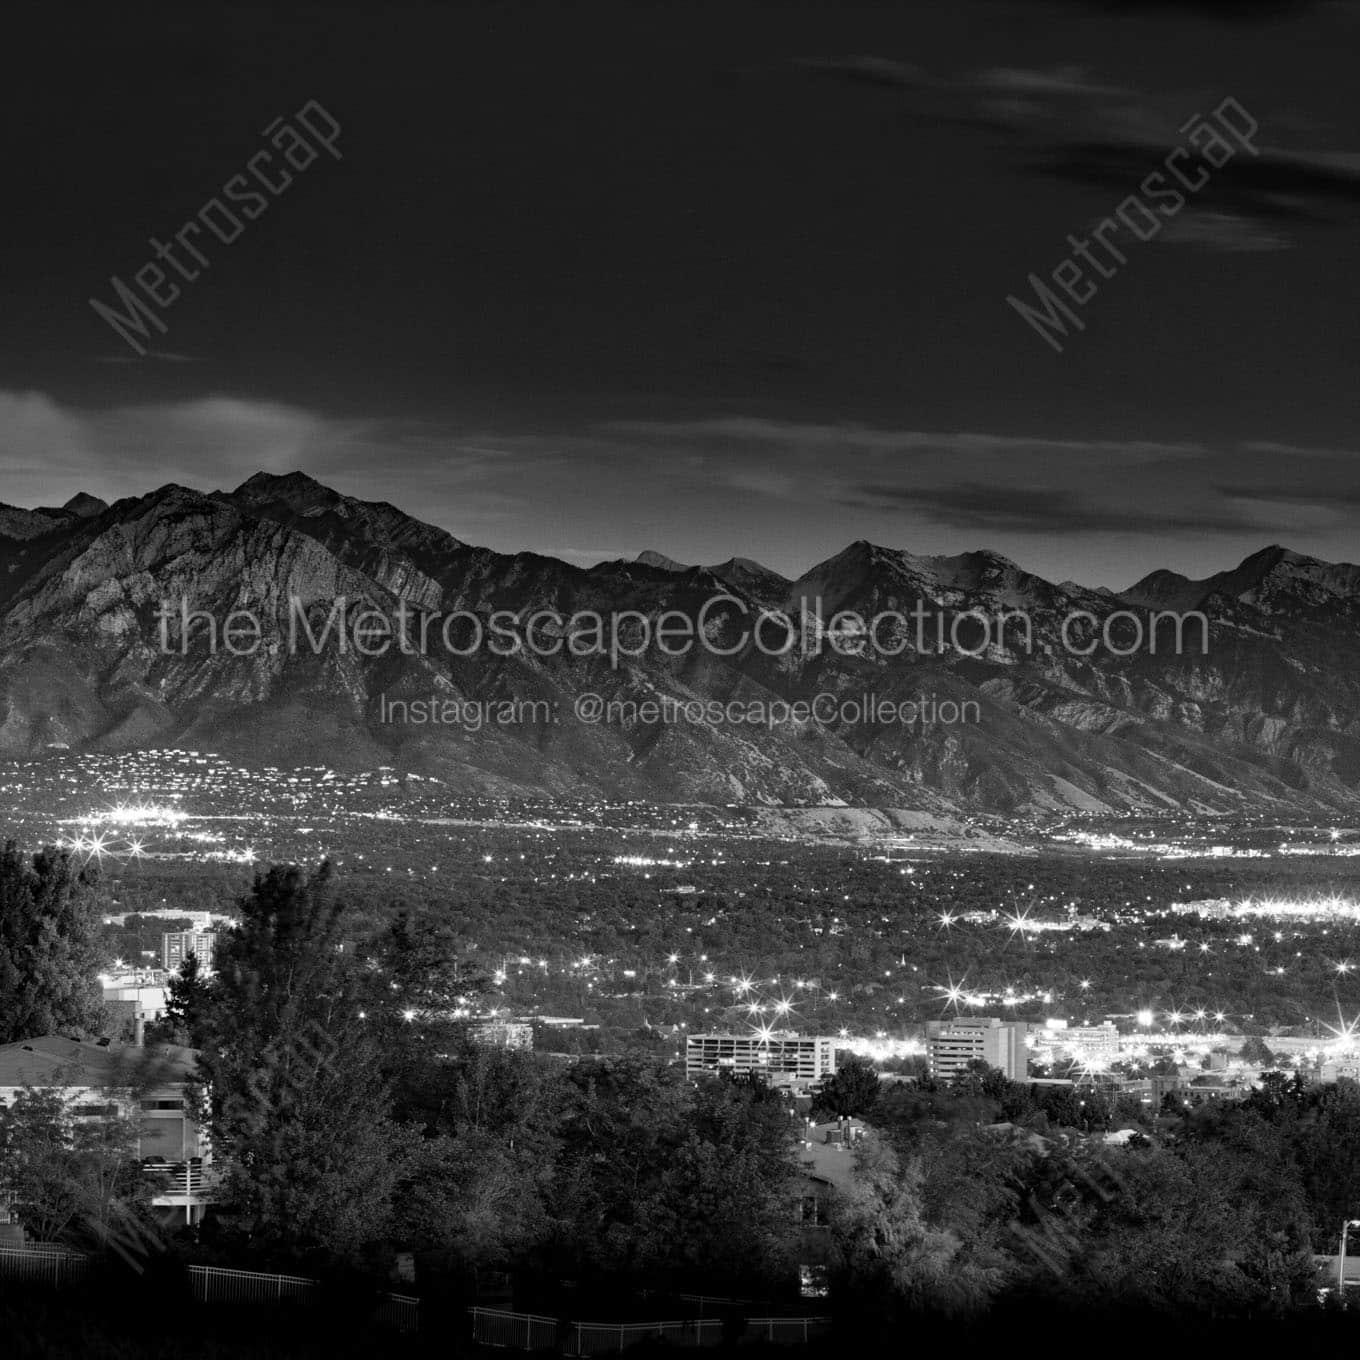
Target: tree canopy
(49, 947)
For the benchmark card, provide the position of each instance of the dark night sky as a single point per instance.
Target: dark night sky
(713, 280)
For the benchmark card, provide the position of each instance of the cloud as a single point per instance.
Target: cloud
(1326, 498)
(1010, 485)
(155, 356)
(1277, 187)
(37, 435)
(868, 71)
(1032, 510)
(52, 451)
(1069, 123)
(812, 439)
(1061, 80)
(1229, 233)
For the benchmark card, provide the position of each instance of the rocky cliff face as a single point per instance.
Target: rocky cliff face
(1267, 717)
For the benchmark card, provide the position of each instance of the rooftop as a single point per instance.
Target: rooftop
(57, 1061)
(833, 1163)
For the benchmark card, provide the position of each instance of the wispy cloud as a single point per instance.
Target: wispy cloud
(1230, 233)
(53, 450)
(1011, 509)
(1073, 124)
(152, 356)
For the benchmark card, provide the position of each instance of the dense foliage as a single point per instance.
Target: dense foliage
(49, 946)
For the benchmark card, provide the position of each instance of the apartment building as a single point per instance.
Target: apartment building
(787, 1059)
(952, 1044)
(177, 945)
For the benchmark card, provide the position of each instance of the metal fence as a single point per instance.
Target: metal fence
(787, 1331)
(517, 1331)
(215, 1284)
(603, 1338)
(532, 1332)
(42, 1265)
(54, 1266)
(399, 1311)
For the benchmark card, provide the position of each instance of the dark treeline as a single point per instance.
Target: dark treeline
(1211, 1207)
(360, 1117)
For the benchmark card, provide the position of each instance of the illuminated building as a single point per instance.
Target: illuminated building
(503, 1034)
(785, 1058)
(952, 1044)
(177, 945)
(1092, 1046)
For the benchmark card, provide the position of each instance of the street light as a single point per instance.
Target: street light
(1341, 1260)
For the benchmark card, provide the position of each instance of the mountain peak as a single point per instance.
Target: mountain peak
(745, 564)
(660, 561)
(331, 517)
(281, 486)
(756, 579)
(85, 506)
(1267, 559)
(1264, 573)
(1277, 569)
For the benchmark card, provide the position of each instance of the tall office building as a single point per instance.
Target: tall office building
(177, 945)
(953, 1044)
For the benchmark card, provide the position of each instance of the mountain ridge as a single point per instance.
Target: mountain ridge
(1267, 718)
(310, 497)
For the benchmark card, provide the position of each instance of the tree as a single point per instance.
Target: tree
(425, 971)
(300, 1104)
(49, 947)
(424, 995)
(1279, 1096)
(75, 1177)
(621, 1123)
(476, 1194)
(40, 1167)
(1186, 1232)
(659, 1181)
(473, 1200)
(186, 1005)
(1326, 1145)
(725, 1203)
(851, 1090)
(886, 1252)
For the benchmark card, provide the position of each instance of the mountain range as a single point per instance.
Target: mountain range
(1265, 718)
